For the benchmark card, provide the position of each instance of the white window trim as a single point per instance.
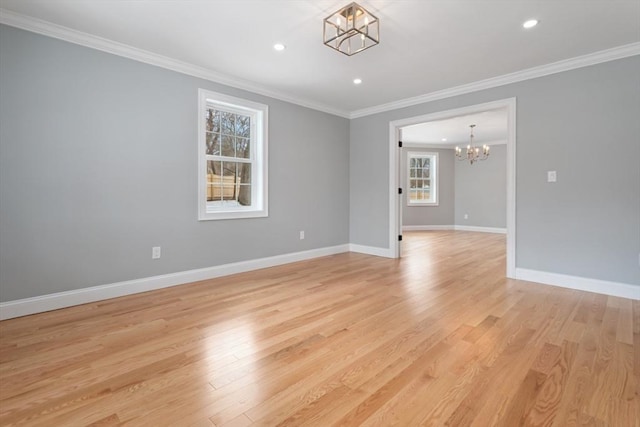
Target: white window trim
(435, 178)
(259, 156)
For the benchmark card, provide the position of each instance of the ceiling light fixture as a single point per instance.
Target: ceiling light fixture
(351, 29)
(444, 139)
(357, 81)
(279, 47)
(530, 23)
(472, 154)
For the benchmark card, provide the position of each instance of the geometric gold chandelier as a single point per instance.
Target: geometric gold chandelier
(352, 29)
(472, 153)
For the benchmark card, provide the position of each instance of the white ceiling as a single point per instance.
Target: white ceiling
(426, 45)
(491, 128)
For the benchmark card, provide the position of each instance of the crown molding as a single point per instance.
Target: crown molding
(49, 29)
(527, 74)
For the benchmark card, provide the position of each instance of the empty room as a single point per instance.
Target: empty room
(319, 213)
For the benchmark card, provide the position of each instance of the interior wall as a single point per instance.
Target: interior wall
(581, 123)
(98, 163)
(481, 190)
(443, 214)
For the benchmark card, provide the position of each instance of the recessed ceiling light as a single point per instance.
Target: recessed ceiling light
(444, 139)
(279, 46)
(530, 23)
(357, 81)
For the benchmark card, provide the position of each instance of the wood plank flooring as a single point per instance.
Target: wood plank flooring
(438, 338)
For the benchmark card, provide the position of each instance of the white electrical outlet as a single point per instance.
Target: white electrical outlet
(302, 235)
(155, 252)
(551, 176)
(466, 216)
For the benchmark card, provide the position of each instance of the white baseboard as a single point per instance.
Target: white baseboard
(39, 304)
(371, 250)
(454, 227)
(23, 307)
(481, 229)
(615, 289)
(426, 227)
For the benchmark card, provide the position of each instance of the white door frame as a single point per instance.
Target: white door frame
(395, 182)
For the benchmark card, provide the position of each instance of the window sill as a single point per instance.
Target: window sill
(212, 216)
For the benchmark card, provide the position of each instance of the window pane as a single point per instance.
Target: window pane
(412, 162)
(228, 180)
(212, 120)
(244, 194)
(244, 172)
(214, 167)
(242, 147)
(243, 126)
(214, 180)
(228, 123)
(213, 144)
(228, 147)
(229, 169)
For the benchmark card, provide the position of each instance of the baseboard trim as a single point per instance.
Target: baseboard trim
(426, 227)
(454, 227)
(481, 229)
(615, 289)
(371, 250)
(39, 304)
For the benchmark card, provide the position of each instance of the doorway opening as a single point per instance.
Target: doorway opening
(397, 180)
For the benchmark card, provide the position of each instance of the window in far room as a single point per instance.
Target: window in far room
(423, 179)
(232, 156)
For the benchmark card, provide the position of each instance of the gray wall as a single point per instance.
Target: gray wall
(582, 123)
(442, 214)
(98, 163)
(481, 190)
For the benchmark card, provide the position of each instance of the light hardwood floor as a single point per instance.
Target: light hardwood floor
(437, 338)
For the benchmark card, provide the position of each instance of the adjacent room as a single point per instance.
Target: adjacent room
(448, 189)
(287, 213)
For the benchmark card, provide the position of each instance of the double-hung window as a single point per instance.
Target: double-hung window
(422, 178)
(232, 157)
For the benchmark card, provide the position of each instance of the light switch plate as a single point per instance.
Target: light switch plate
(551, 176)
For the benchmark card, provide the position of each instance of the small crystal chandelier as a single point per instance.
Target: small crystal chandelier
(352, 29)
(472, 154)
